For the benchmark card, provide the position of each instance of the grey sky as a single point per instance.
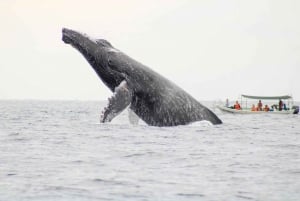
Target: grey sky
(212, 49)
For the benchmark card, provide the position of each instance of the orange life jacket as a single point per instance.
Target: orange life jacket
(237, 106)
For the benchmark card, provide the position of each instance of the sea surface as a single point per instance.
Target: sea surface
(58, 150)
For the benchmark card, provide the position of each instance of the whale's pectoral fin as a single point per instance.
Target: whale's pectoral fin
(117, 103)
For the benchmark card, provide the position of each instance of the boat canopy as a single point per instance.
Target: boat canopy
(268, 97)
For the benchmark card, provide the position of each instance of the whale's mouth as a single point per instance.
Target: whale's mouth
(67, 35)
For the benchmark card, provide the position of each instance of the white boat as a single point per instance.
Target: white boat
(246, 101)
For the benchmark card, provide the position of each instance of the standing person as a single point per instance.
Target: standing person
(280, 105)
(259, 105)
(227, 102)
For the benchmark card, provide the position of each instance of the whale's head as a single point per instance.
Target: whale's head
(96, 52)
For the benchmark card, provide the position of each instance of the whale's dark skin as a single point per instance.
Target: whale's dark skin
(153, 98)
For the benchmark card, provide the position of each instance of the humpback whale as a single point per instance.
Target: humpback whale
(152, 97)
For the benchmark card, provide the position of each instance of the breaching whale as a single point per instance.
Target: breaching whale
(152, 97)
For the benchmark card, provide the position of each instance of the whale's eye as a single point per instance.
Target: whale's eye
(110, 62)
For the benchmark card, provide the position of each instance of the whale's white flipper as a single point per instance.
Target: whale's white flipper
(117, 103)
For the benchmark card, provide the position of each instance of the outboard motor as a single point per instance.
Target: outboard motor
(296, 109)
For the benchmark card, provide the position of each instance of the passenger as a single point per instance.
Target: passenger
(266, 108)
(253, 109)
(280, 105)
(237, 106)
(284, 107)
(227, 102)
(259, 105)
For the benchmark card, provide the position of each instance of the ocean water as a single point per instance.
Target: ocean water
(58, 150)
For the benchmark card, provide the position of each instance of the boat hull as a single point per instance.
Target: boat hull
(234, 111)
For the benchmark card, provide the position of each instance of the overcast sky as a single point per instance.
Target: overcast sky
(212, 49)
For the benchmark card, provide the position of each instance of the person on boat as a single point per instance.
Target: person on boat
(237, 106)
(266, 108)
(227, 103)
(253, 108)
(259, 105)
(284, 107)
(280, 105)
